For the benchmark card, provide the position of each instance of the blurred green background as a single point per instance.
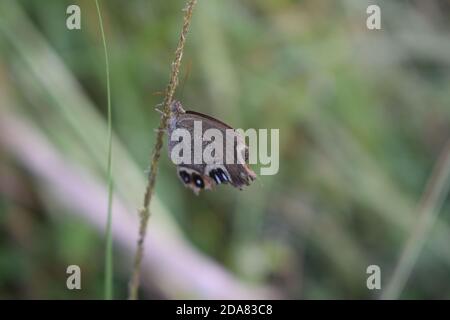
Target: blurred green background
(363, 117)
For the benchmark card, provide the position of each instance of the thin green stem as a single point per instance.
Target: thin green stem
(109, 238)
(432, 200)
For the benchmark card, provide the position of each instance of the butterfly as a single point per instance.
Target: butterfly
(206, 174)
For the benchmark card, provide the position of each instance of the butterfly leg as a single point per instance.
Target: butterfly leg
(157, 109)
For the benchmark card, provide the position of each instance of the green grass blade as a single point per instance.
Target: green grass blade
(108, 250)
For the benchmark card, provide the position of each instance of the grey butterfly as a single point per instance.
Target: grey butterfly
(207, 175)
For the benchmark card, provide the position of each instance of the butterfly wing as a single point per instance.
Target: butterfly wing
(237, 174)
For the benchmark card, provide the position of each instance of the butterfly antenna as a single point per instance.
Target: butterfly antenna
(185, 78)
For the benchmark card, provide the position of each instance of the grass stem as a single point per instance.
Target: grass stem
(108, 290)
(429, 206)
(169, 93)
